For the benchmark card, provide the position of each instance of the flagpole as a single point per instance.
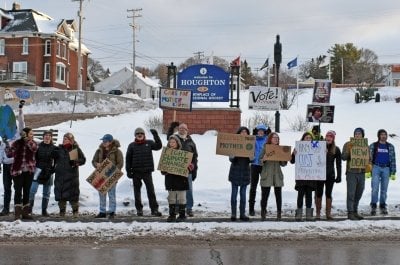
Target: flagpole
(297, 83)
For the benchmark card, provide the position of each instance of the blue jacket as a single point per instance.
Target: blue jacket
(392, 155)
(260, 142)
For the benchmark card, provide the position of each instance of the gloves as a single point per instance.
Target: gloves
(368, 168)
(21, 103)
(393, 176)
(368, 175)
(338, 179)
(153, 132)
(191, 167)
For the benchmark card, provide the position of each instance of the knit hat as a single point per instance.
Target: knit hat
(107, 138)
(70, 137)
(381, 131)
(261, 127)
(176, 138)
(359, 129)
(331, 133)
(139, 130)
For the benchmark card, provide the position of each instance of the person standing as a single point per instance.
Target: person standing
(139, 165)
(108, 149)
(383, 159)
(355, 178)
(239, 176)
(304, 188)
(68, 157)
(333, 157)
(261, 138)
(189, 145)
(172, 129)
(271, 176)
(176, 186)
(44, 171)
(23, 151)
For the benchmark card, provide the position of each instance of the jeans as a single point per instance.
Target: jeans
(112, 202)
(34, 188)
(189, 194)
(22, 188)
(242, 203)
(380, 176)
(355, 189)
(7, 183)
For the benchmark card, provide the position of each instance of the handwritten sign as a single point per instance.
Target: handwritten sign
(73, 154)
(264, 98)
(176, 99)
(175, 161)
(310, 160)
(105, 177)
(275, 152)
(359, 152)
(230, 144)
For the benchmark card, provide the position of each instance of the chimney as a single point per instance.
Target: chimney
(16, 6)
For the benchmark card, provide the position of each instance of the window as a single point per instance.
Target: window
(64, 51)
(46, 76)
(20, 70)
(25, 45)
(58, 48)
(2, 46)
(60, 73)
(47, 47)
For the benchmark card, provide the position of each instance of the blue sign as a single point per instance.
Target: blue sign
(209, 83)
(22, 93)
(8, 124)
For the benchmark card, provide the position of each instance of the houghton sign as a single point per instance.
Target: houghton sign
(208, 83)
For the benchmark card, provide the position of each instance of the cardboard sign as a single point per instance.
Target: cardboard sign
(229, 144)
(322, 91)
(264, 98)
(105, 177)
(175, 161)
(275, 152)
(73, 154)
(310, 160)
(359, 152)
(176, 99)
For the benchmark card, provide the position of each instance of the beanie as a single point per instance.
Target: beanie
(139, 130)
(359, 129)
(331, 133)
(176, 138)
(381, 131)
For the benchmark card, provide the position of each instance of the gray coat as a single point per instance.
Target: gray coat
(271, 173)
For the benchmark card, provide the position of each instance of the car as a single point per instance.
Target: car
(115, 92)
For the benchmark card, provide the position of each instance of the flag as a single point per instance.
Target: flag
(236, 62)
(292, 63)
(325, 62)
(265, 65)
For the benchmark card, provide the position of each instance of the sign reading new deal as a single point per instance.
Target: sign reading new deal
(209, 83)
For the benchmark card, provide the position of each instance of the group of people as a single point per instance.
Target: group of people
(244, 171)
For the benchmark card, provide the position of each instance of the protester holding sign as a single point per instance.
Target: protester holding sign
(261, 132)
(355, 173)
(304, 188)
(176, 186)
(239, 176)
(68, 157)
(271, 176)
(333, 156)
(109, 148)
(43, 172)
(383, 159)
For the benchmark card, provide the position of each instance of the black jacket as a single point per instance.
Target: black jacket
(330, 164)
(45, 161)
(189, 145)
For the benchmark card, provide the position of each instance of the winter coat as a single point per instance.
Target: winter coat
(346, 156)
(139, 157)
(239, 172)
(330, 164)
(45, 161)
(23, 153)
(392, 155)
(189, 145)
(4, 150)
(303, 183)
(114, 155)
(66, 182)
(271, 173)
(259, 145)
(176, 182)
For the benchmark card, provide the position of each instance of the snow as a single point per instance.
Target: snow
(212, 189)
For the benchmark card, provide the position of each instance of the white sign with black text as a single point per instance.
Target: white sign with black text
(264, 98)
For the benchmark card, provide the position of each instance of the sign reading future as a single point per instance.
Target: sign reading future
(230, 144)
(208, 83)
(264, 98)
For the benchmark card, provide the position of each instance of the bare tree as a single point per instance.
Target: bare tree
(367, 71)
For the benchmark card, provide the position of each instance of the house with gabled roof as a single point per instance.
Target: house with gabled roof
(36, 50)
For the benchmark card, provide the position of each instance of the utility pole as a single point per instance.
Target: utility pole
(200, 55)
(134, 27)
(79, 76)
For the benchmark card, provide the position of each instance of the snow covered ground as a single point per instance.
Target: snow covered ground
(212, 189)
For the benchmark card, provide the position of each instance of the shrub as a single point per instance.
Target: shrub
(258, 118)
(299, 124)
(154, 122)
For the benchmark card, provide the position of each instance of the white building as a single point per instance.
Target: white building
(145, 87)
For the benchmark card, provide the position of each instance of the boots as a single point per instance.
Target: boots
(172, 214)
(328, 209)
(263, 214)
(17, 211)
(309, 214)
(299, 214)
(279, 216)
(182, 213)
(31, 202)
(351, 216)
(63, 206)
(45, 203)
(26, 212)
(251, 208)
(318, 206)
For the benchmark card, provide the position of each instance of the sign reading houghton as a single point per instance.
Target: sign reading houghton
(310, 160)
(230, 144)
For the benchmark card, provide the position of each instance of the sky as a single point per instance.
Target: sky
(212, 188)
(174, 30)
